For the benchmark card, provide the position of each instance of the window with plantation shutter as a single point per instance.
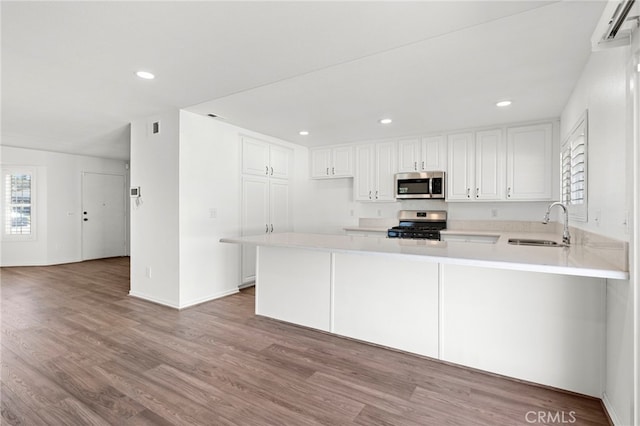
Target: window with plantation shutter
(573, 168)
(18, 207)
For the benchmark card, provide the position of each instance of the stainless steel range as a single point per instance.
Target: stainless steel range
(419, 224)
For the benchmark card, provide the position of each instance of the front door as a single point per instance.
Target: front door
(103, 216)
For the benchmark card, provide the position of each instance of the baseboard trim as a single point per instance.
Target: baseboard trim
(189, 304)
(609, 411)
(208, 298)
(151, 299)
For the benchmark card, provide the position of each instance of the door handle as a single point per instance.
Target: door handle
(468, 192)
(509, 192)
(327, 171)
(266, 229)
(272, 171)
(333, 170)
(266, 171)
(272, 227)
(415, 165)
(423, 165)
(376, 195)
(85, 219)
(369, 194)
(477, 192)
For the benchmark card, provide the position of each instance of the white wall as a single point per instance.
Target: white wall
(58, 207)
(189, 176)
(209, 208)
(603, 90)
(154, 222)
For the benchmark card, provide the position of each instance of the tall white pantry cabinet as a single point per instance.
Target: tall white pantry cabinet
(265, 195)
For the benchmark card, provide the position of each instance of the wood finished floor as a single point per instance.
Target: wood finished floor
(77, 350)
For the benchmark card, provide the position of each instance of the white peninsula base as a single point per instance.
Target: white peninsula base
(541, 327)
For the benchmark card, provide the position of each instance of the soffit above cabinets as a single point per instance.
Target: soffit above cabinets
(333, 68)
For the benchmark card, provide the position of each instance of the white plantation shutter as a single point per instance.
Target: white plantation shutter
(18, 210)
(573, 166)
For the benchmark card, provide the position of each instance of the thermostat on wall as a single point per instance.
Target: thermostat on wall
(134, 192)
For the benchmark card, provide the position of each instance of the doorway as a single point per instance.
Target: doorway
(103, 216)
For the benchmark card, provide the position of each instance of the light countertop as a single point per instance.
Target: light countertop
(578, 260)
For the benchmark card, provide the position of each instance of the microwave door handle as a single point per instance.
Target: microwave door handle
(430, 187)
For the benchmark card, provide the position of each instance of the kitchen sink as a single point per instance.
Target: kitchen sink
(532, 242)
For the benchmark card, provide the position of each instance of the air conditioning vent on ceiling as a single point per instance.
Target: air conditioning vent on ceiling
(617, 23)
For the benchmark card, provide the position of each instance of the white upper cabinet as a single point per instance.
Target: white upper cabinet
(374, 172)
(255, 157)
(530, 162)
(422, 154)
(461, 168)
(409, 155)
(490, 165)
(279, 158)
(264, 159)
(476, 166)
(327, 163)
(385, 168)
(483, 166)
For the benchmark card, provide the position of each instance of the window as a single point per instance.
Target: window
(573, 168)
(18, 211)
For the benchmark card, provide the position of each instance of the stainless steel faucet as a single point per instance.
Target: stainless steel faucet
(566, 238)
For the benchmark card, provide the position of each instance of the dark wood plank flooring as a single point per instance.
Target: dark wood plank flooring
(77, 350)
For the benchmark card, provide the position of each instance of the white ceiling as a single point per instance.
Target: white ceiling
(333, 68)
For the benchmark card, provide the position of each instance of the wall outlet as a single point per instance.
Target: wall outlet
(147, 272)
(213, 213)
(494, 212)
(598, 217)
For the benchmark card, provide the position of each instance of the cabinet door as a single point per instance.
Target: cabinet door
(279, 210)
(255, 157)
(384, 171)
(342, 164)
(461, 168)
(320, 163)
(363, 177)
(434, 154)
(279, 162)
(529, 162)
(409, 155)
(490, 165)
(255, 219)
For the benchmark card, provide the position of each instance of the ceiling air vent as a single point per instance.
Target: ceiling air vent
(618, 21)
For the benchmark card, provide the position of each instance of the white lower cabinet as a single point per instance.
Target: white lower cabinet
(293, 286)
(265, 209)
(540, 327)
(391, 302)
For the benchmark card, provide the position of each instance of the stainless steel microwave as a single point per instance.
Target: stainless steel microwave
(419, 185)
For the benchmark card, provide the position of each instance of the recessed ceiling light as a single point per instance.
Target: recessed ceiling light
(385, 121)
(146, 75)
(503, 103)
(303, 133)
